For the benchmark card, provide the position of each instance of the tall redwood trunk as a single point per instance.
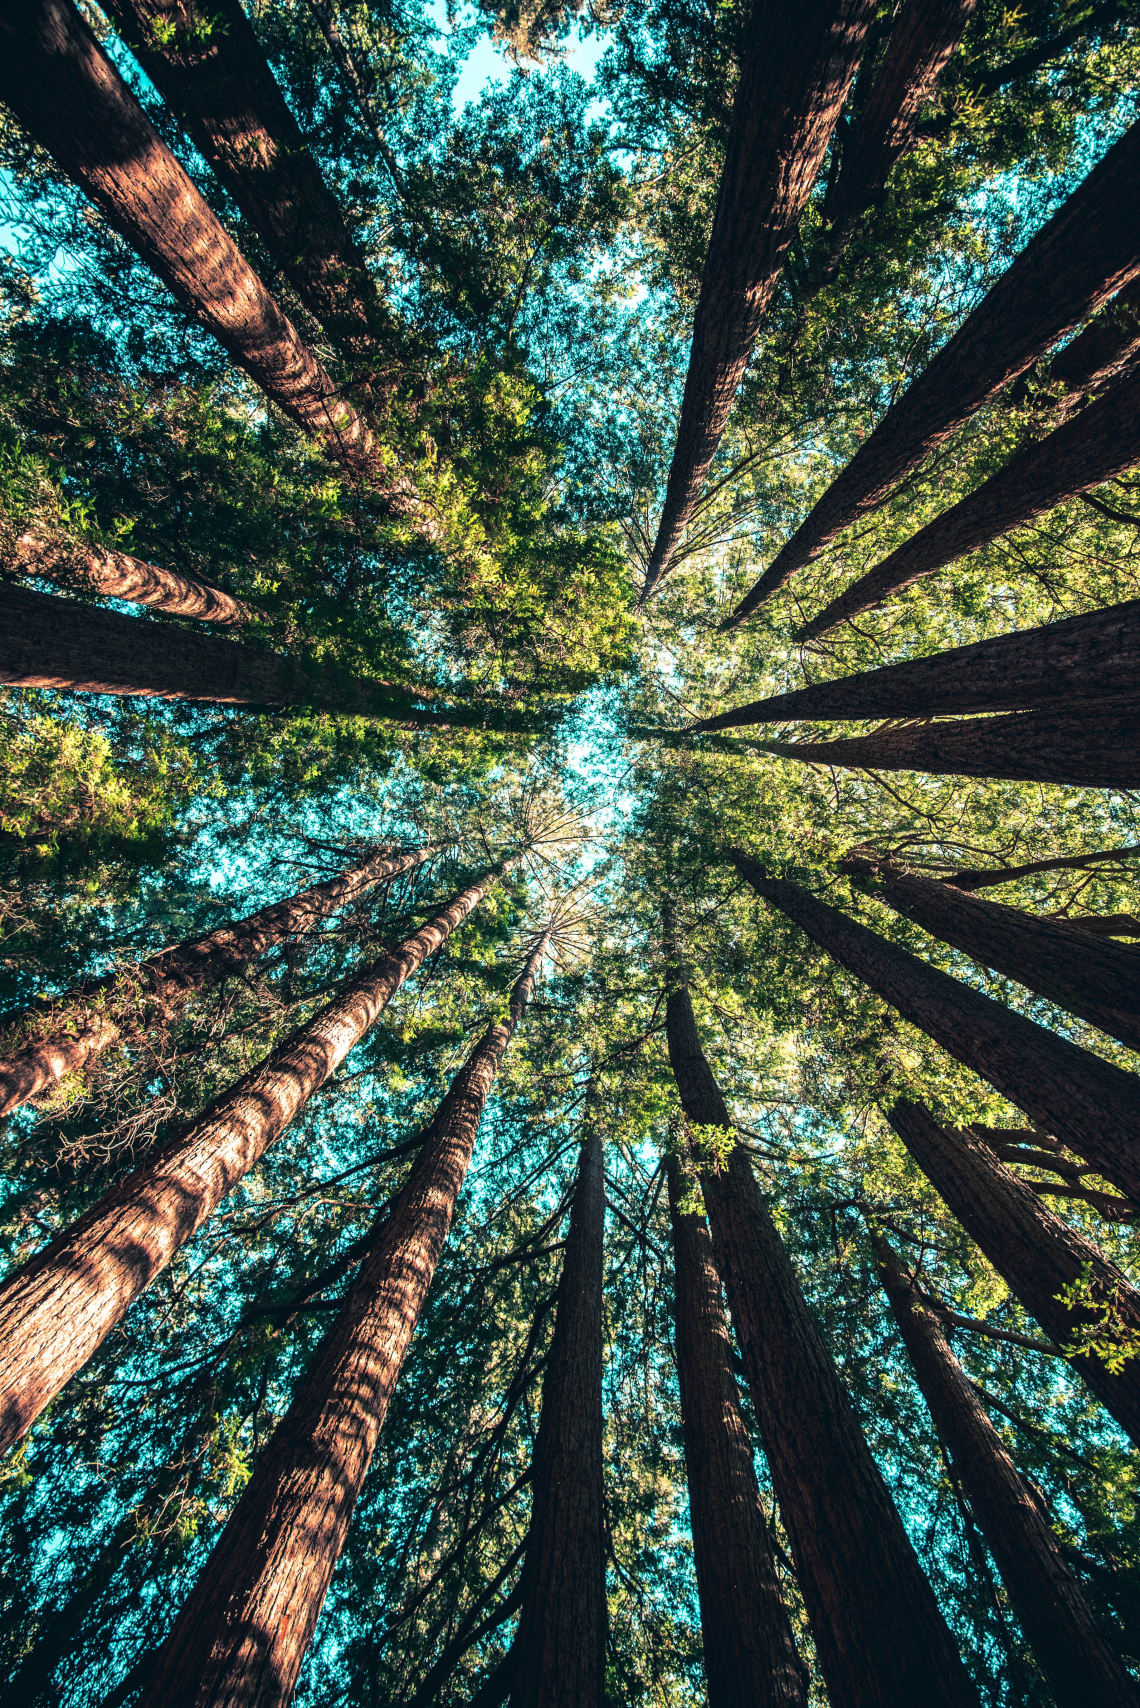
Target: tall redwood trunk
(86, 1020)
(558, 1658)
(1076, 1657)
(1079, 259)
(1095, 748)
(749, 1651)
(56, 1311)
(988, 877)
(1087, 449)
(1098, 355)
(1091, 1105)
(797, 66)
(64, 90)
(1080, 660)
(241, 1637)
(1035, 1252)
(117, 575)
(880, 1638)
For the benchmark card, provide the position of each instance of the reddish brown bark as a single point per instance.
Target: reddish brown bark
(85, 1021)
(797, 66)
(1098, 750)
(64, 90)
(241, 1637)
(1079, 259)
(57, 1310)
(988, 877)
(1076, 1657)
(117, 575)
(750, 1654)
(558, 1658)
(1101, 353)
(1091, 1105)
(1090, 448)
(1037, 1254)
(880, 1638)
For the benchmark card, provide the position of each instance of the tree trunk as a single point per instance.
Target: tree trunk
(749, 1652)
(1078, 661)
(1088, 449)
(1078, 1661)
(1099, 981)
(1097, 751)
(880, 1638)
(558, 1658)
(234, 1645)
(1101, 353)
(86, 1020)
(57, 1310)
(116, 575)
(1080, 258)
(1091, 1105)
(988, 877)
(1037, 1254)
(797, 66)
(64, 90)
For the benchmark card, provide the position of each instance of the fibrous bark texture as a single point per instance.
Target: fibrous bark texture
(1079, 259)
(56, 1310)
(1076, 1657)
(241, 1637)
(797, 66)
(558, 1659)
(1089, 1104)
(750, 1653)
(1101, 353)
(87, 1020)
(117, 575)
(1037, 1254)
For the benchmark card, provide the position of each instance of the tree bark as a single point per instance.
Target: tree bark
(1091, 1105)
(1100, 751)
(1075, 1655)
(797, 66)
(86, 1020)
(117, 575)
(65, 92)
(749, 1651)
(558, 1658)
(1098, 355)
(59, 1307)
(881, 1640)
(988, 877)
(1091, 447)
(1080, 258)
(1037, 1254)
(241, 1637)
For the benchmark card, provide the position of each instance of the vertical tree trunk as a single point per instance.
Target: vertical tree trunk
(1094, 749)
(117, 575)
(56, 1311)
(86, 1020)
(1090, 1104)
(797, 66)
(1091, 447)
(880, 1638)
(1079, 259)
(241, 1637)
(1034, 1251)
(750, 1654)
(64, 90)
(558, 1659)
(1077, 1659)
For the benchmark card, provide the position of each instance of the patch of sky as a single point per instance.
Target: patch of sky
(487, 63)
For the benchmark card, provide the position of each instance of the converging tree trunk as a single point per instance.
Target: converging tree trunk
(796, 68)
(61, 1035)
(59, 1307)
(749, 1651)
(1076, 1656)
(1077, 1296)
(1101, 353)
(117, 575)
(66, 93)
(1089, 448)
(1079, 259)
(1091, 1105)
(242, 1635)
(558, 1658)
(881, 1640)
